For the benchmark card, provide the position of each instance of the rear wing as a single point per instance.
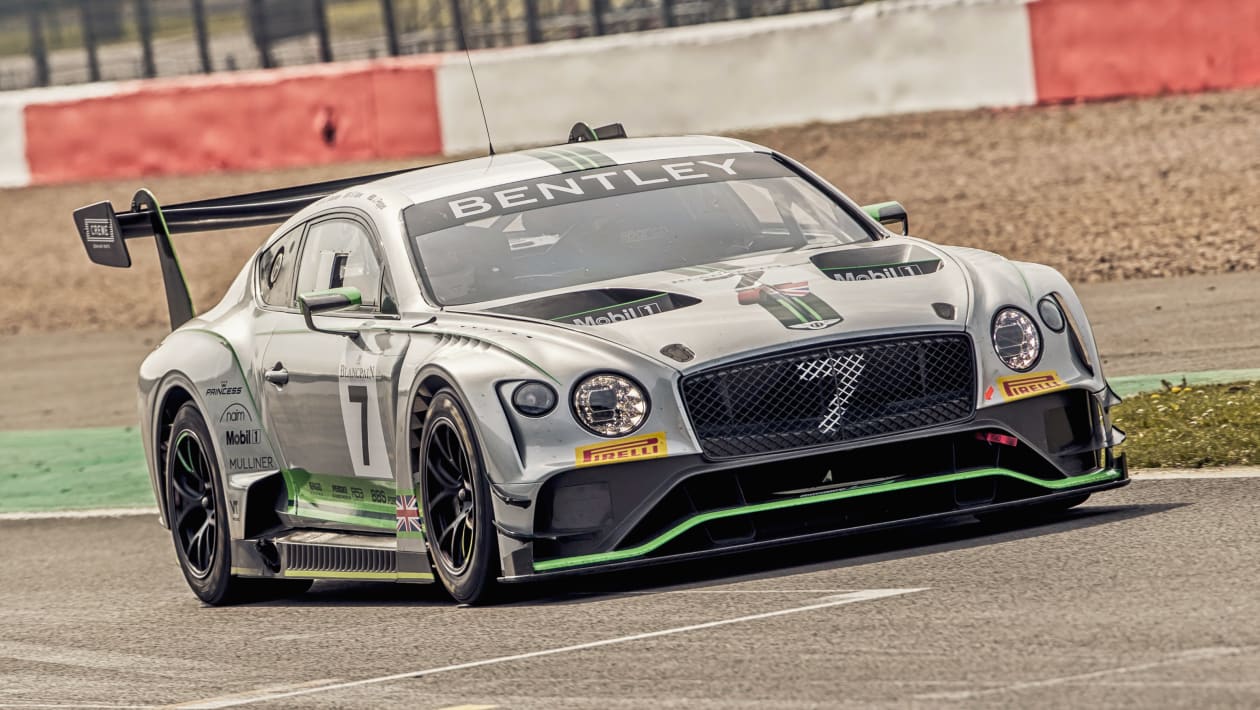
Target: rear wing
(105, 232)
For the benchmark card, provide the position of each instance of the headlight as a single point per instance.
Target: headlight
(1016, 339)
(533, 399)
(610, 405)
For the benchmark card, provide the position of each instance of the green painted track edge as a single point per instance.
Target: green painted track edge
(647, 547)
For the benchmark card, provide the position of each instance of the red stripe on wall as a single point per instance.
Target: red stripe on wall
(247, 121)
(1092, 49)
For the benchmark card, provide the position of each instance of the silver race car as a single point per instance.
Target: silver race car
(607, 353)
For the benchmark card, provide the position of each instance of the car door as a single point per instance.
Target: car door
(328, 398)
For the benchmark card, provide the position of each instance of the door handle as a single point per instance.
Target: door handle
(277, 376)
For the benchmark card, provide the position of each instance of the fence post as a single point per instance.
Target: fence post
(321, 29)
(39, 49)
(144, 26)
(391, 27)
(533, 32)
(203, 35)
(457, 22)
(262, 36)
(89, 40)
(667, 13)
(597, 16)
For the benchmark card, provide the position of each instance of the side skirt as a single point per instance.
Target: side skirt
(312, 554)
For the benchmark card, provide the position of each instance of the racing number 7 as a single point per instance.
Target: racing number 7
(359, 395)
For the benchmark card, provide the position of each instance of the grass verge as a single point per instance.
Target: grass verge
(1192, 427)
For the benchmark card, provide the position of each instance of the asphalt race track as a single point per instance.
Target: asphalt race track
(1144, 597)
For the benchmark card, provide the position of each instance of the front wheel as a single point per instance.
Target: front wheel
(198, 518)
(458, 518)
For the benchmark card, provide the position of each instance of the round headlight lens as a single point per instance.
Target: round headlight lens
(610, 405)
(1016, 339)
(533, 399)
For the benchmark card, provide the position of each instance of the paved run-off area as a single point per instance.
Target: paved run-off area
(1131, 601)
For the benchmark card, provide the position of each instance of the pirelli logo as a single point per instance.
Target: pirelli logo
(639, 448)
(1034, 383)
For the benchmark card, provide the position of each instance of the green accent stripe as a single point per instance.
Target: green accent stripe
(329, 516)
(787, 304)
(563, 163)
(596, 158)
(333, 574)
(805, 305)
(656, 542)
(166, 236)
(873, 210)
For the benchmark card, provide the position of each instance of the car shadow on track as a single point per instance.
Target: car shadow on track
(848, 551)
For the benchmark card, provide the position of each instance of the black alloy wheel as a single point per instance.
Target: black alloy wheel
(196, 512)
(458, 519)
(193, 507)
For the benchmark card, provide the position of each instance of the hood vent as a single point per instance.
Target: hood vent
(600, 306)
(881, 262)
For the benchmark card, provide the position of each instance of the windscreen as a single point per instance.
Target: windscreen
(607, 223)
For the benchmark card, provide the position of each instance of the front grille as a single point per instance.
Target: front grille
(824, 395)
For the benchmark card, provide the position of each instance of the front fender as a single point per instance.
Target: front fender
(202, 366)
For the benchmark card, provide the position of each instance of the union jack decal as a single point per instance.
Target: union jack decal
(800, 289)
(408, 513)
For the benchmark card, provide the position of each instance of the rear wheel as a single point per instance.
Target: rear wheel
(198, 518)
(458, 519)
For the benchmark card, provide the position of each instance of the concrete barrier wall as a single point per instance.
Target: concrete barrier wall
(883, 58)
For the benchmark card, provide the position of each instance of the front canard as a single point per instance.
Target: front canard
(638, 448)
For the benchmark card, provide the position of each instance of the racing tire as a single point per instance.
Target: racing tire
(197, 515)
(1034, 513)
(458, 512)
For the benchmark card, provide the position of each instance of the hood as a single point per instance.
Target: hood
(696, 316)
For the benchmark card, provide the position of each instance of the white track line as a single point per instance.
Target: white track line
(1190, 474)
(1190, 656)
(79, 514)
(861, 595)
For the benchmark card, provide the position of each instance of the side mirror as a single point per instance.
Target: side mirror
(334, 299)
(889, 213)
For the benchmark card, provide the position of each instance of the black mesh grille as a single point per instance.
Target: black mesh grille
(834, 393)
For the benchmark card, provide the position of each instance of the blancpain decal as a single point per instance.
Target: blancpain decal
(356, 372)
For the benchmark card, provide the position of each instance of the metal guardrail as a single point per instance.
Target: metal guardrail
(49, 42)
